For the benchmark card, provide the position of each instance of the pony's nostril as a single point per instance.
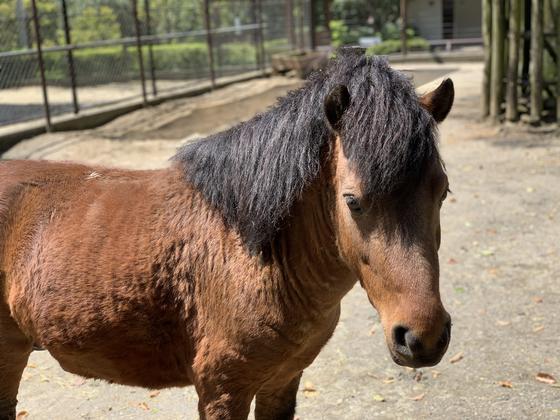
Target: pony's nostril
(413, 343)
(406, 343)
(399, 336)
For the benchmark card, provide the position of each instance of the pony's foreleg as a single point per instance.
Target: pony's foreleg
(15, 348)
(277, 402)
(223, 402)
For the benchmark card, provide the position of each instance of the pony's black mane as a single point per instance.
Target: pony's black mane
(253, 172)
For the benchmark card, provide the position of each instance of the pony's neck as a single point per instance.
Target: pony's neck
(307, 250)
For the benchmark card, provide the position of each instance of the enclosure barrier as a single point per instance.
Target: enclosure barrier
(522, 60)
(65, 56)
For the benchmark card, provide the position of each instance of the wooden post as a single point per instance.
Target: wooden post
(404, 19)
(536, 73)
(512, 113)
(487, 37)
(497, 76)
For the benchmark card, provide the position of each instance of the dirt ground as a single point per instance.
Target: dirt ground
(500, 274)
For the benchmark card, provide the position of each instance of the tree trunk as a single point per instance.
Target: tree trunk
(536, 60)
(497, 80)
(512, 113)
(487, 37)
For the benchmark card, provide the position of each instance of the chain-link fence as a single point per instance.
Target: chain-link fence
(65, 56)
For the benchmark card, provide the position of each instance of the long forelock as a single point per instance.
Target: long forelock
(254, 172)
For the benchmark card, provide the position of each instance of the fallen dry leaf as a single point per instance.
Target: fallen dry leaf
(22, 414)
(144, 406)
(501, 323)
(389, 380)
(505, 384)
(538, 328)
(309, 389)
(537, 299)
(378, 398)
(418, 397)
(452, 261)
(458, 357)
(154, 394)
(545, 378)
(435, 374)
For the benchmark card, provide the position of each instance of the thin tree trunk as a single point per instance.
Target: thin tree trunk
(487, 37)
(512, 113)
(497, 80)
(537, 61)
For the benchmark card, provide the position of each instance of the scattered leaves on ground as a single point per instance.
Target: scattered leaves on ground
(505, 384)
(309, 389)
(389, 380)
(378, 398)
(154, 393)
(418, 397)
(538, 328)
(545, 378)
(22, 415)
(144, 406)
(458, 357)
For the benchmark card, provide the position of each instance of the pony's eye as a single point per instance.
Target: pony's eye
(353, 203)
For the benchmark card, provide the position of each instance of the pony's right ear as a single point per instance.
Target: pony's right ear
(336, 103)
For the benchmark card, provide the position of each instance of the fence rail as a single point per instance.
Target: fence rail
(66, 56)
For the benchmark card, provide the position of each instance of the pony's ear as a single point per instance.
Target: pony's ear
(439, 102)
(336, 103)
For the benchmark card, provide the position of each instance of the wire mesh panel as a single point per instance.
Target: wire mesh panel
(177, 53)
(235, 36)
(19, 70)
(98, 53)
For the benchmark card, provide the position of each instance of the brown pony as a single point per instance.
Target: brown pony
(226, 270)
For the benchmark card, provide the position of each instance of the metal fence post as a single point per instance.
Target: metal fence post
(255, 19)
(260, 46)
(404, 19)
(139, 49)
(41, 65)
(70, 57)
(312, 25)
(150, 49)
(290, 26)
(209, 42)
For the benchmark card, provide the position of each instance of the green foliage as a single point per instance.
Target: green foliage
(394, 45)
(359, 12)
(341, 34)
(94, 24)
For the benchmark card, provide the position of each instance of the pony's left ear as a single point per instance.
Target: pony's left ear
(439, 102)
(336, 103)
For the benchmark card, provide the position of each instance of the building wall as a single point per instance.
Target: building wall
(467, 17)
(426, 17)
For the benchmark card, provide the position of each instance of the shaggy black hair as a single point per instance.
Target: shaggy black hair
(255, 171)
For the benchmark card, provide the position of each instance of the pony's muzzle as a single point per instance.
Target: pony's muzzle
(409, 349)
